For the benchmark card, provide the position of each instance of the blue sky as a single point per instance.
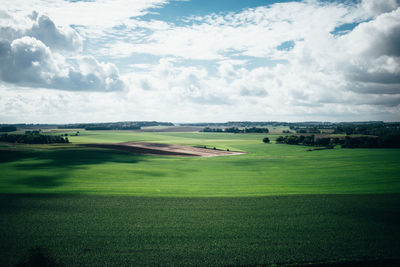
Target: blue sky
(199, 60)
(177, 10)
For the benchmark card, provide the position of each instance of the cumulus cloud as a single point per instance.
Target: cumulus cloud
(42, 28)
(255, 32)
(377, 37)
(31, 55)
(299, 60)
(180, 84)
(91, 76)
(26, 59)
(372, 51)
(377, 7)
(46, 31)
(321, 68)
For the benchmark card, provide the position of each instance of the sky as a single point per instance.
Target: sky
(199, 60)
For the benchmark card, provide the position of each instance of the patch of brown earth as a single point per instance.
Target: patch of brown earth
(164, 149)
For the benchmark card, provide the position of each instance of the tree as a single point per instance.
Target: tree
(292, 140)
(280, 139)
(8, 128)
(266, 140)
(390, 140)
(308, 140)
(323, 141)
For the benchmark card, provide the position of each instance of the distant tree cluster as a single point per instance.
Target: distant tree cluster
(266, 140)
(8, 128)
(308, 140)
(236, 130)
(31, 126)
(71, 134)
(372, 128)
(33, 132)
(213, 130)
(387, 141)
(310, 127)
(375, 128)
(127, 125)
(241, 124)
(33, 138)
(313, 130)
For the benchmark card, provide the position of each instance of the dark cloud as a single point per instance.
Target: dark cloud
(387, 101)
(379, 77)
(374, 57)
(374, 88)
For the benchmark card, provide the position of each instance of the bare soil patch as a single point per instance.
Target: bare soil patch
(165, 149)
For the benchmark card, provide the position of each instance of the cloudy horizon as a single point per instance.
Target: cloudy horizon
(199, 60)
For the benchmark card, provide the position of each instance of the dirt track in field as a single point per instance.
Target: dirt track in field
(164, 149)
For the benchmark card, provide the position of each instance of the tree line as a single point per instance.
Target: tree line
(8, 128)
(391, 140)
(372, 128)
(126, 125)
(30, 138)
(236, 130)
(241, 124)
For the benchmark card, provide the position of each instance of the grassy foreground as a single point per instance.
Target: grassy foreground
(277, 204)
(142, 231)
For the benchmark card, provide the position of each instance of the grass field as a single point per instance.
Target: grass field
(277, 204)
(267, 169)
(124, 231)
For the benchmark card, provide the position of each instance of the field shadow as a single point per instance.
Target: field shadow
(74, 158)
(38, 256)
(43, 181)
(10, 155)
(56, 165)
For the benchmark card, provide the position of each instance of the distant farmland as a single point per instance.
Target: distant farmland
(276, 204)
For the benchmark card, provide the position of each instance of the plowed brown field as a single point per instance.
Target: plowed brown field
(164, 149)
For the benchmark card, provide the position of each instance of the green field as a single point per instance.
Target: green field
(267, 169)
(277, 204)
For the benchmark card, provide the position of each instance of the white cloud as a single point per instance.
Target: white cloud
(19, 105)
(90, 76)
(254, 32)
(30, 55)
(42, 28)
(231, 66)
(377, 7)
(91, 14)
(26, 59)
(45, 30)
